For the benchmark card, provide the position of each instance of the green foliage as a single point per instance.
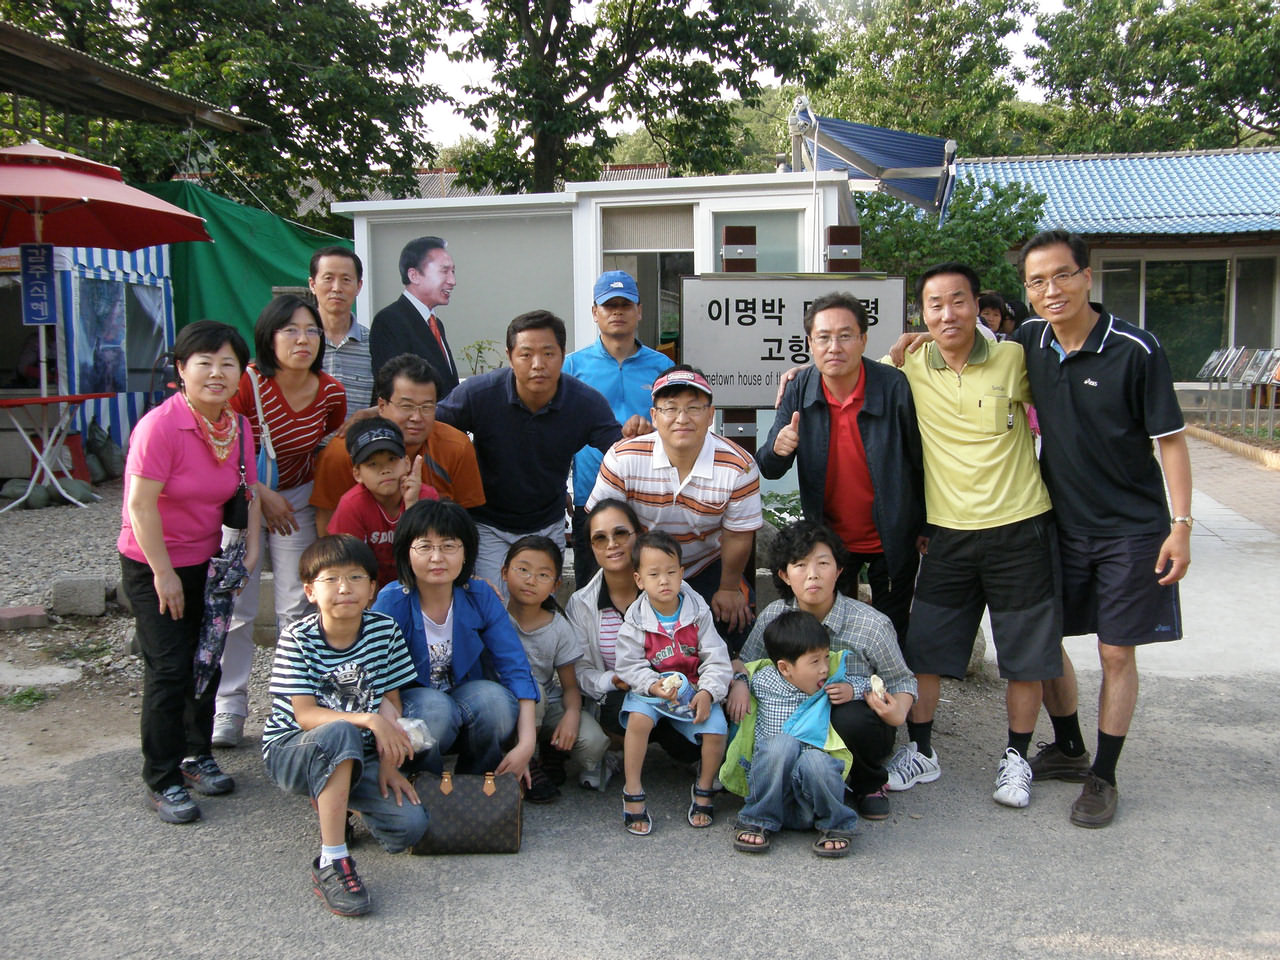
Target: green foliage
(984, 222)
(780, 509)
(1147, 74)
(937, 69)
(335, 81)
(25, 698)
(482, 355)
(562, 70)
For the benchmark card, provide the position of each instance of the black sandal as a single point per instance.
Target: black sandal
(832, 836)
(746, 846)
(700, 809)
(632, 820)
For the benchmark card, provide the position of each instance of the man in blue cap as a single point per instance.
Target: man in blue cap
(623, 369)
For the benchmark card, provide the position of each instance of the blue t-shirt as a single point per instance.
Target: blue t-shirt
(524, 457)
(628, 388)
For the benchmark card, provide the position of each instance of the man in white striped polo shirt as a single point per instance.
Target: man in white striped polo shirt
(697, 486)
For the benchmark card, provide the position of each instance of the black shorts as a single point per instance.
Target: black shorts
(1012, 569)
(1110, 587)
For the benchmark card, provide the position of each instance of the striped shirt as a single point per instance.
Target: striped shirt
(351, 680)
(295, 434)
(348, 362)
(866, 633)
(610, 621)
(721, 492)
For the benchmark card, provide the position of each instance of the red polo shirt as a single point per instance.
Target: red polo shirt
(848, 495)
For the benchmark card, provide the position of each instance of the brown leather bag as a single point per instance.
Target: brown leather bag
(470, 813)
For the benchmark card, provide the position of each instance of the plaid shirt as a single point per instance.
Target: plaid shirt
(776, 700)
(865, 632)
(348, 362)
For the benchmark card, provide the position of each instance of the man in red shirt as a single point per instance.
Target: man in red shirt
(852, 425)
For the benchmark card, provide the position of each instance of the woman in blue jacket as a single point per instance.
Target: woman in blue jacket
(474, 686)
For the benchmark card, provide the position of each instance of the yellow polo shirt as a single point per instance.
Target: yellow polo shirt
(980, 467)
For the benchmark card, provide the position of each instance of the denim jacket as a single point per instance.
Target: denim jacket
(891, 438)
(485, 644)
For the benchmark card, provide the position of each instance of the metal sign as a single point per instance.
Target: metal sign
(38, 288)
(744, 330)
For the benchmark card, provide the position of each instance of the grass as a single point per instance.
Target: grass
(89, 649)
(25, 698)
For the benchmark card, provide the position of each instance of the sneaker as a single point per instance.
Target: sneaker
(874, 806)
(598, 779)
(1096, 805)
(909, 766)
(1013, 780)
(173, 805)
(540, 789)
(1050, 763)
(203, 775)
(340, 887)
(228, 728)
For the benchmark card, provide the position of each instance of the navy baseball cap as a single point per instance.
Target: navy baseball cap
(615, 283)
(367, 437)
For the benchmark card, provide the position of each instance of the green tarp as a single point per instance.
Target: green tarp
(252, 251)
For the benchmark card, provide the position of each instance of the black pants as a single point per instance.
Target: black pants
(869, 739)
(890, 597)
(174, 723)
(584, 560)
(705, 584)
(664, 734)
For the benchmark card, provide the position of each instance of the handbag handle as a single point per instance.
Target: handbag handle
(263, 432)
(489, 789)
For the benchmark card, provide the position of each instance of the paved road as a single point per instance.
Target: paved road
(1187, 870)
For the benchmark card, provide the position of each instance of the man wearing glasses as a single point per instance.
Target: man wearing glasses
(697, 486)
(623, 369)
(851, 424)
(1103, 391)
(406, 388)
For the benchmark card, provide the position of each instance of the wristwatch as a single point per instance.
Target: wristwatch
(1188, 520)
(740, 676)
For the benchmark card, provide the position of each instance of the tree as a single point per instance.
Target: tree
(1152, 75)
(984, 222)
(335, 81)
(937, 69)
(562, 70)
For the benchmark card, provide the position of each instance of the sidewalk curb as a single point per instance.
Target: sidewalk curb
(1265, 458)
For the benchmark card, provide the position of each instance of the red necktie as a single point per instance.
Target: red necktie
(435, 329)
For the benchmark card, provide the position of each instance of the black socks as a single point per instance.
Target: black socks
(922, 734)
(1020, 742)
(1104, 761)
(1067, 735)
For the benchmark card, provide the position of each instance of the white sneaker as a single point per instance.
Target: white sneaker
(909, 766)
(228, 728)
(1013, 780)
(598, 779)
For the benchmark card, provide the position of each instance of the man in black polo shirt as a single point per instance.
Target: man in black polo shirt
(1103, 392)
(527, 422)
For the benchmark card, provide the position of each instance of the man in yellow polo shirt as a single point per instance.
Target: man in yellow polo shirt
(994, 543)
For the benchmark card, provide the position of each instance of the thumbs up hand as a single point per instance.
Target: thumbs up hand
(788, 438)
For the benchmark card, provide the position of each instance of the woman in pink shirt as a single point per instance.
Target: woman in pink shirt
(184, 463)
(301, 405)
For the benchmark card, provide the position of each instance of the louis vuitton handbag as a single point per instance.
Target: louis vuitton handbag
(470, 813)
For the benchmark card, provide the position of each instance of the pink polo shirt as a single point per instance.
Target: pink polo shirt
(167, 445)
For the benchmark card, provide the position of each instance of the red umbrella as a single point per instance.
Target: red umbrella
(47, 196)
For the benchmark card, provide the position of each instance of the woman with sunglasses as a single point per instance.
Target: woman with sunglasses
(596, 612)
(474, 688)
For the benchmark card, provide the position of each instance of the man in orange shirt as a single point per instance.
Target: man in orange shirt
(406, 388)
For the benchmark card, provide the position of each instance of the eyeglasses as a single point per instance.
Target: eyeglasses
(409, 409)
(824, 340)
(693, 410)
(619, 535)
(1058, 280)
(293, 332)
(425, 548)
(542, 577)
(354, 580)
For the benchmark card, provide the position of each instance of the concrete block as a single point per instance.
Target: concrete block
(978, 657)
(21, 618)
(264, 624)
(86, 596)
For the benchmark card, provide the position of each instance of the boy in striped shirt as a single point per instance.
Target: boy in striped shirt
(335, 688)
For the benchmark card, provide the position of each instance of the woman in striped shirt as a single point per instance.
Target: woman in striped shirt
(301, 405)
(596, 612)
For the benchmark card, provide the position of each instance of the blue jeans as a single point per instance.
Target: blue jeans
(473, 720)
(796, 788)
(303, 762)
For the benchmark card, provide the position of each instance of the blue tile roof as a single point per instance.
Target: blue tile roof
(1194, 191)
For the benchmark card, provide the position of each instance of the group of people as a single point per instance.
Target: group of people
(417, 548)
